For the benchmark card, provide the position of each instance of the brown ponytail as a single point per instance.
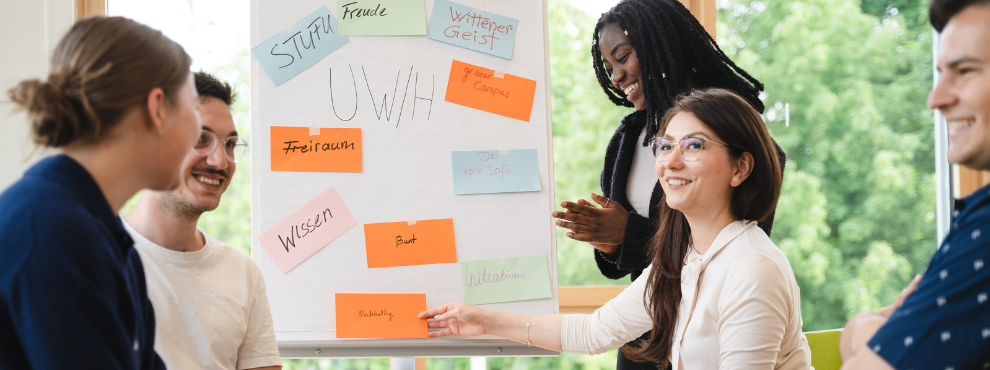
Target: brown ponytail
(100, 70)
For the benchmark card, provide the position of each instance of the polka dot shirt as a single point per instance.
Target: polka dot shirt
(945, 323)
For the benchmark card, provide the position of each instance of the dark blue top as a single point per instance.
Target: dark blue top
(945, 323)
(72, 289)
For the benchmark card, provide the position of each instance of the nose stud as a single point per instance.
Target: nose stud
(625, 32)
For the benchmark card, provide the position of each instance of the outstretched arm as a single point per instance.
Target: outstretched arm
(461, 319)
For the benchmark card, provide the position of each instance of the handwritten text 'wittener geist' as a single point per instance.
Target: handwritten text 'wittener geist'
(478, 23)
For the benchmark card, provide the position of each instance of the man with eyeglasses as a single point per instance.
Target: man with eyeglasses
(211, 308)
(942, 320)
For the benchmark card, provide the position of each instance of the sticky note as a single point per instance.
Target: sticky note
(288, 53)
(382, 17)
(401, 244)
(505, 279)
(490, 171)
(478, 88)
(380, 315)
(332, 150)
(307, 230)
(458, 25)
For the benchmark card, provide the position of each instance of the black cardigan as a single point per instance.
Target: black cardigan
(634, 253)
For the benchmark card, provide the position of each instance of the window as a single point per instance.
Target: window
(846, 83)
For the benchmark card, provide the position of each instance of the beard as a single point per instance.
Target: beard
(178, 206)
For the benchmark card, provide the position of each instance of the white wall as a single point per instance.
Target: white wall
(30, 29)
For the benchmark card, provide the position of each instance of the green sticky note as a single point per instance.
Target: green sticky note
(381, 17)
(505, 279)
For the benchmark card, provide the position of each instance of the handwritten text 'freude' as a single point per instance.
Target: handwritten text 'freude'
(317, 27)
(379, 313)
(485, 277)
(484, 29)
(358, 12)
(307, 227)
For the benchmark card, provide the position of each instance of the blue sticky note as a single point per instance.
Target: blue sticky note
(291, 51)
(488, 171)
(486, 32)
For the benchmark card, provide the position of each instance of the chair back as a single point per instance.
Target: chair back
(825, 349)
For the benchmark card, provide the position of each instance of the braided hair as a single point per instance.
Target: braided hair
(670, 44)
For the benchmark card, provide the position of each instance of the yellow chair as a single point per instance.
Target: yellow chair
(825, 349)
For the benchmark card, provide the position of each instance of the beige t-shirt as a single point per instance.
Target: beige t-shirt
(211, 307)
(740, 309)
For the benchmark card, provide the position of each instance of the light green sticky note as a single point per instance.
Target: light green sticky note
(381, 17)
(505, 279)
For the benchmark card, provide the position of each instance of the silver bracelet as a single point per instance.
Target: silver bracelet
(605, 257)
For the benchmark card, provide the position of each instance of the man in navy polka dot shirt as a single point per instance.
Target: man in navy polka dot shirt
(942, 320)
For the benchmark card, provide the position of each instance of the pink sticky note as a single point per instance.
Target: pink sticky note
(309, 229)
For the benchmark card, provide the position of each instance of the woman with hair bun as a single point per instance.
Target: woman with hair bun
(120, 109)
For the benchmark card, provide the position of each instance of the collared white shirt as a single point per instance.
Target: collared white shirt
(740, 309)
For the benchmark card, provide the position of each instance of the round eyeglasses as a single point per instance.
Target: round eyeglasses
(208, 141)
(690, 147)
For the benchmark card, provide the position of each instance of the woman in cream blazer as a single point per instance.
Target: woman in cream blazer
(725, 297)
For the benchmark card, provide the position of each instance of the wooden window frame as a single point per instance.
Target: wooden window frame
(87, 8)
(969, 180)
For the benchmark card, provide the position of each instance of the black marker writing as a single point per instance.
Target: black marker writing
(290, 146)
(379, 313)
(399, 241)
(309, 226)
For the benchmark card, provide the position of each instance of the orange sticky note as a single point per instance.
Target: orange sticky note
(401, 244)
(380, 315)
(479, 88)
(333, 150)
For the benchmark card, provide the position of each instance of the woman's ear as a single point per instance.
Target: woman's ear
(744, 167)
(157, 108)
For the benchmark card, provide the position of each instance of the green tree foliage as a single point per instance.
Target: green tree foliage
(856, 217)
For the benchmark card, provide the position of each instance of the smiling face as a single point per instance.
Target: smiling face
(204, 179)
(622, 64)
(962, 93)
(698, 187)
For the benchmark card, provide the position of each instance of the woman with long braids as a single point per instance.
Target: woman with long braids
(645, 53)
(718, 293)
